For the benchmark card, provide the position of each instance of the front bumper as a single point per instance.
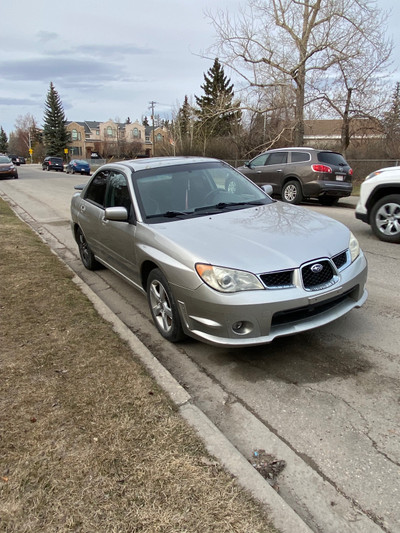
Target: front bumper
(257, 317)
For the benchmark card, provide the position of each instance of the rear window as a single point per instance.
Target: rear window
(332, 158)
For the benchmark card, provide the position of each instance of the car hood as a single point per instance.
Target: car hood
(271, 237)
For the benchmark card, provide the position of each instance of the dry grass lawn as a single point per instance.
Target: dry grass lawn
(88, 442)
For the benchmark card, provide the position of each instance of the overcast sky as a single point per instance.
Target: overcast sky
(110, 59)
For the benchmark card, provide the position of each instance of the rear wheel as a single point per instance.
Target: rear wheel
(292, 193)
(163, 307)
(385, 218)
(87, 257)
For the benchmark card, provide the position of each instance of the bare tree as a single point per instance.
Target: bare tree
(293, 43)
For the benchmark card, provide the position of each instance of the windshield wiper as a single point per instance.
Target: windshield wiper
(225, 205)
(171, 214)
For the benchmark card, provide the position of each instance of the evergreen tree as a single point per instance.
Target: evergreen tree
(145, 121)
(3, 141)
(183, 119)
(217, 113)
(55, 132)
(392, 124)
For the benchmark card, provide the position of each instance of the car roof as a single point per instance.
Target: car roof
(158, 162)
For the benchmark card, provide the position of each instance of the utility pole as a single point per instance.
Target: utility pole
(152, 104)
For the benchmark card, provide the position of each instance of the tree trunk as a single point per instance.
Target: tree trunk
(345, 133)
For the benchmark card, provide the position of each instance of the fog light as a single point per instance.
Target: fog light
(242, 327)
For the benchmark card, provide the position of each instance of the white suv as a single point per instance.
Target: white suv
(379, 203)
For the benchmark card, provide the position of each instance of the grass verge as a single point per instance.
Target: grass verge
(88, 442)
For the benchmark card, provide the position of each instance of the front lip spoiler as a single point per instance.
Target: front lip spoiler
(282, 330)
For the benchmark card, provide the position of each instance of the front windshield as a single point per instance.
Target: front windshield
(193, 190)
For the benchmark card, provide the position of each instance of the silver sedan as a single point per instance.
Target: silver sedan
(228, 266)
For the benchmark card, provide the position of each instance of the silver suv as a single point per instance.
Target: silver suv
(300, 173)
(379, 203)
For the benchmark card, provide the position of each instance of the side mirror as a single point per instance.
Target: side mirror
(267, 188)
(247, 164)
(119, 214)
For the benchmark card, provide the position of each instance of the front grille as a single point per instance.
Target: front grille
(314, 279)
(303, 313)
(340, 260)
(278, 280)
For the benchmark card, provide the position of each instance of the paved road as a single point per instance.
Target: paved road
(327, 401)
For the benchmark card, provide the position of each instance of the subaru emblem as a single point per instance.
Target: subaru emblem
(317, 268)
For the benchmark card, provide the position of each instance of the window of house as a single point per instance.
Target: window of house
(159, 137)
(136, 133)
(110, 132)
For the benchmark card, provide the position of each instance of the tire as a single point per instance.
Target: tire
(292, 193)
(163, 307)
(385, 218)
(87, 257)
(328, 200)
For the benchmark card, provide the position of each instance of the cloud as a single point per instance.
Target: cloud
(17, 101)
(45, 36)
(65, 69)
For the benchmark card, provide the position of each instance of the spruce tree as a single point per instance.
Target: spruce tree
(55, 132)
(217, 112)
(3, 141)
(183, 118)
(392, 124)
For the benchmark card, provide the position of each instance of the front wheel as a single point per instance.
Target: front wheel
(87, 256)
(292, 193)
(163, 307)
(385, 218)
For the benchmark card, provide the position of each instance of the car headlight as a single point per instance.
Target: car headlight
(227, 279)
(354, 247)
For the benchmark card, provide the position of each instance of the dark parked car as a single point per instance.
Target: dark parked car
(300, 173)
(78, 166)
(22, 160)
(53, 163)
(14, 159)
(7, 168)
(228, 268)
